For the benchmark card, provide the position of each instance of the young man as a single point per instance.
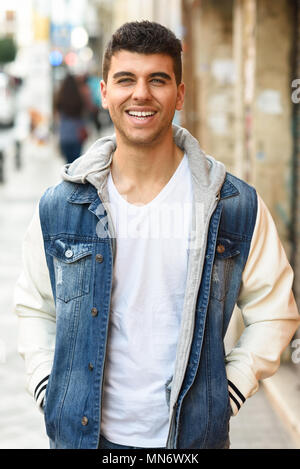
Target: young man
(132, 267)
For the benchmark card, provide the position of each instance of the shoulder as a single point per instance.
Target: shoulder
(239, 206)
(243, 193)
(63, 200)
(57, 194)
(53, 201)
(242, 187)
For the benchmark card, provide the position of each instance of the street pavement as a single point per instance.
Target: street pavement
(256, 426)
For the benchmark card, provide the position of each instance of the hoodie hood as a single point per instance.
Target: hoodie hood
(94, 165)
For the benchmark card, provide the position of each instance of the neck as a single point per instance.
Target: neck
(140, 172)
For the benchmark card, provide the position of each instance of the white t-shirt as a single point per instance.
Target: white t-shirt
(147, 300)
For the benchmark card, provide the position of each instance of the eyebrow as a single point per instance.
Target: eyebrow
(152, 75)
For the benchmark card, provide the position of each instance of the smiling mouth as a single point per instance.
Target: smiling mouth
(141, 115)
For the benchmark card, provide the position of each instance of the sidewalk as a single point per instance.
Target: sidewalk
(22, 424)
(283, 392)
(256, 426)
(265, 421)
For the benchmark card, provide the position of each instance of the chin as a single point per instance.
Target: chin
(144, 139)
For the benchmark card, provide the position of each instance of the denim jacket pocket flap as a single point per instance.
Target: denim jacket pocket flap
(69, 251)
(72, 267)
(226, 248)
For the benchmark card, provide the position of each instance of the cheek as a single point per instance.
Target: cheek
(117, 99)
(171, 103)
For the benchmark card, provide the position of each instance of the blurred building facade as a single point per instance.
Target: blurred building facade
(241, 61)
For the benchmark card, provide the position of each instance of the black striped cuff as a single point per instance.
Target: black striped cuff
(235, 395)
(40, 390)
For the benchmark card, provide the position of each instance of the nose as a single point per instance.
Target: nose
(141, 91)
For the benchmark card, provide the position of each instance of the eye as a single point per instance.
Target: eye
(157, 81)
(125, 80)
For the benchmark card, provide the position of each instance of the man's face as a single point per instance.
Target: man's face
(141, 95)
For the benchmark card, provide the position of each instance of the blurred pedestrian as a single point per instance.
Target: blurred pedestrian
(87, 85)
(69, 108)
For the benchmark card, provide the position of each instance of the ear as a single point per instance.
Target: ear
(180, 96)
(103, 90)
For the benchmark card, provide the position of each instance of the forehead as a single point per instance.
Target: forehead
(141, 64)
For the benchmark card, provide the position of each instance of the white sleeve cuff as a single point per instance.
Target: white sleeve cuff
(236, 398)
(240, 387)
(40, 391)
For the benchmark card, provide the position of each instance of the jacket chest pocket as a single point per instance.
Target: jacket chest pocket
(72, 267)
(226, 250)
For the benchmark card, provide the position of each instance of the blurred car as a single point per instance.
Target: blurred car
(7, 101)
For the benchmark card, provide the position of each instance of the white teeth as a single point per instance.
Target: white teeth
(140, 114)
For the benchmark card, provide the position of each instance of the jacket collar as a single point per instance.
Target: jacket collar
(83, 194)
(228, 190)
(208, 174)
(87, 193)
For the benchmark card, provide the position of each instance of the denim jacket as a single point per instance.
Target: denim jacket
(207, 386)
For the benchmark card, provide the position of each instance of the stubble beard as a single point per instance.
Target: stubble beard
(151, 140)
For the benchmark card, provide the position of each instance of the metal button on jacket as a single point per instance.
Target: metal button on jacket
(99, 258)
(91, 366)
(69, 253)
(84, 421)
(220, 248)
(94, 312)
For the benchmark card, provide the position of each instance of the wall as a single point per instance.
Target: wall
(209, 109)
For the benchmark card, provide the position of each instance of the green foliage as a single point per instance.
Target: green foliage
(8, 50)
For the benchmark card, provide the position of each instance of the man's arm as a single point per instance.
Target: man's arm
(269, 312)
(34, 305)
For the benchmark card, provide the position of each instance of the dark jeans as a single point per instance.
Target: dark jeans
(105, 444)
(71, 150)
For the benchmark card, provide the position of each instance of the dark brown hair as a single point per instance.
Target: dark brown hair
(69, 100)
(144, 37)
